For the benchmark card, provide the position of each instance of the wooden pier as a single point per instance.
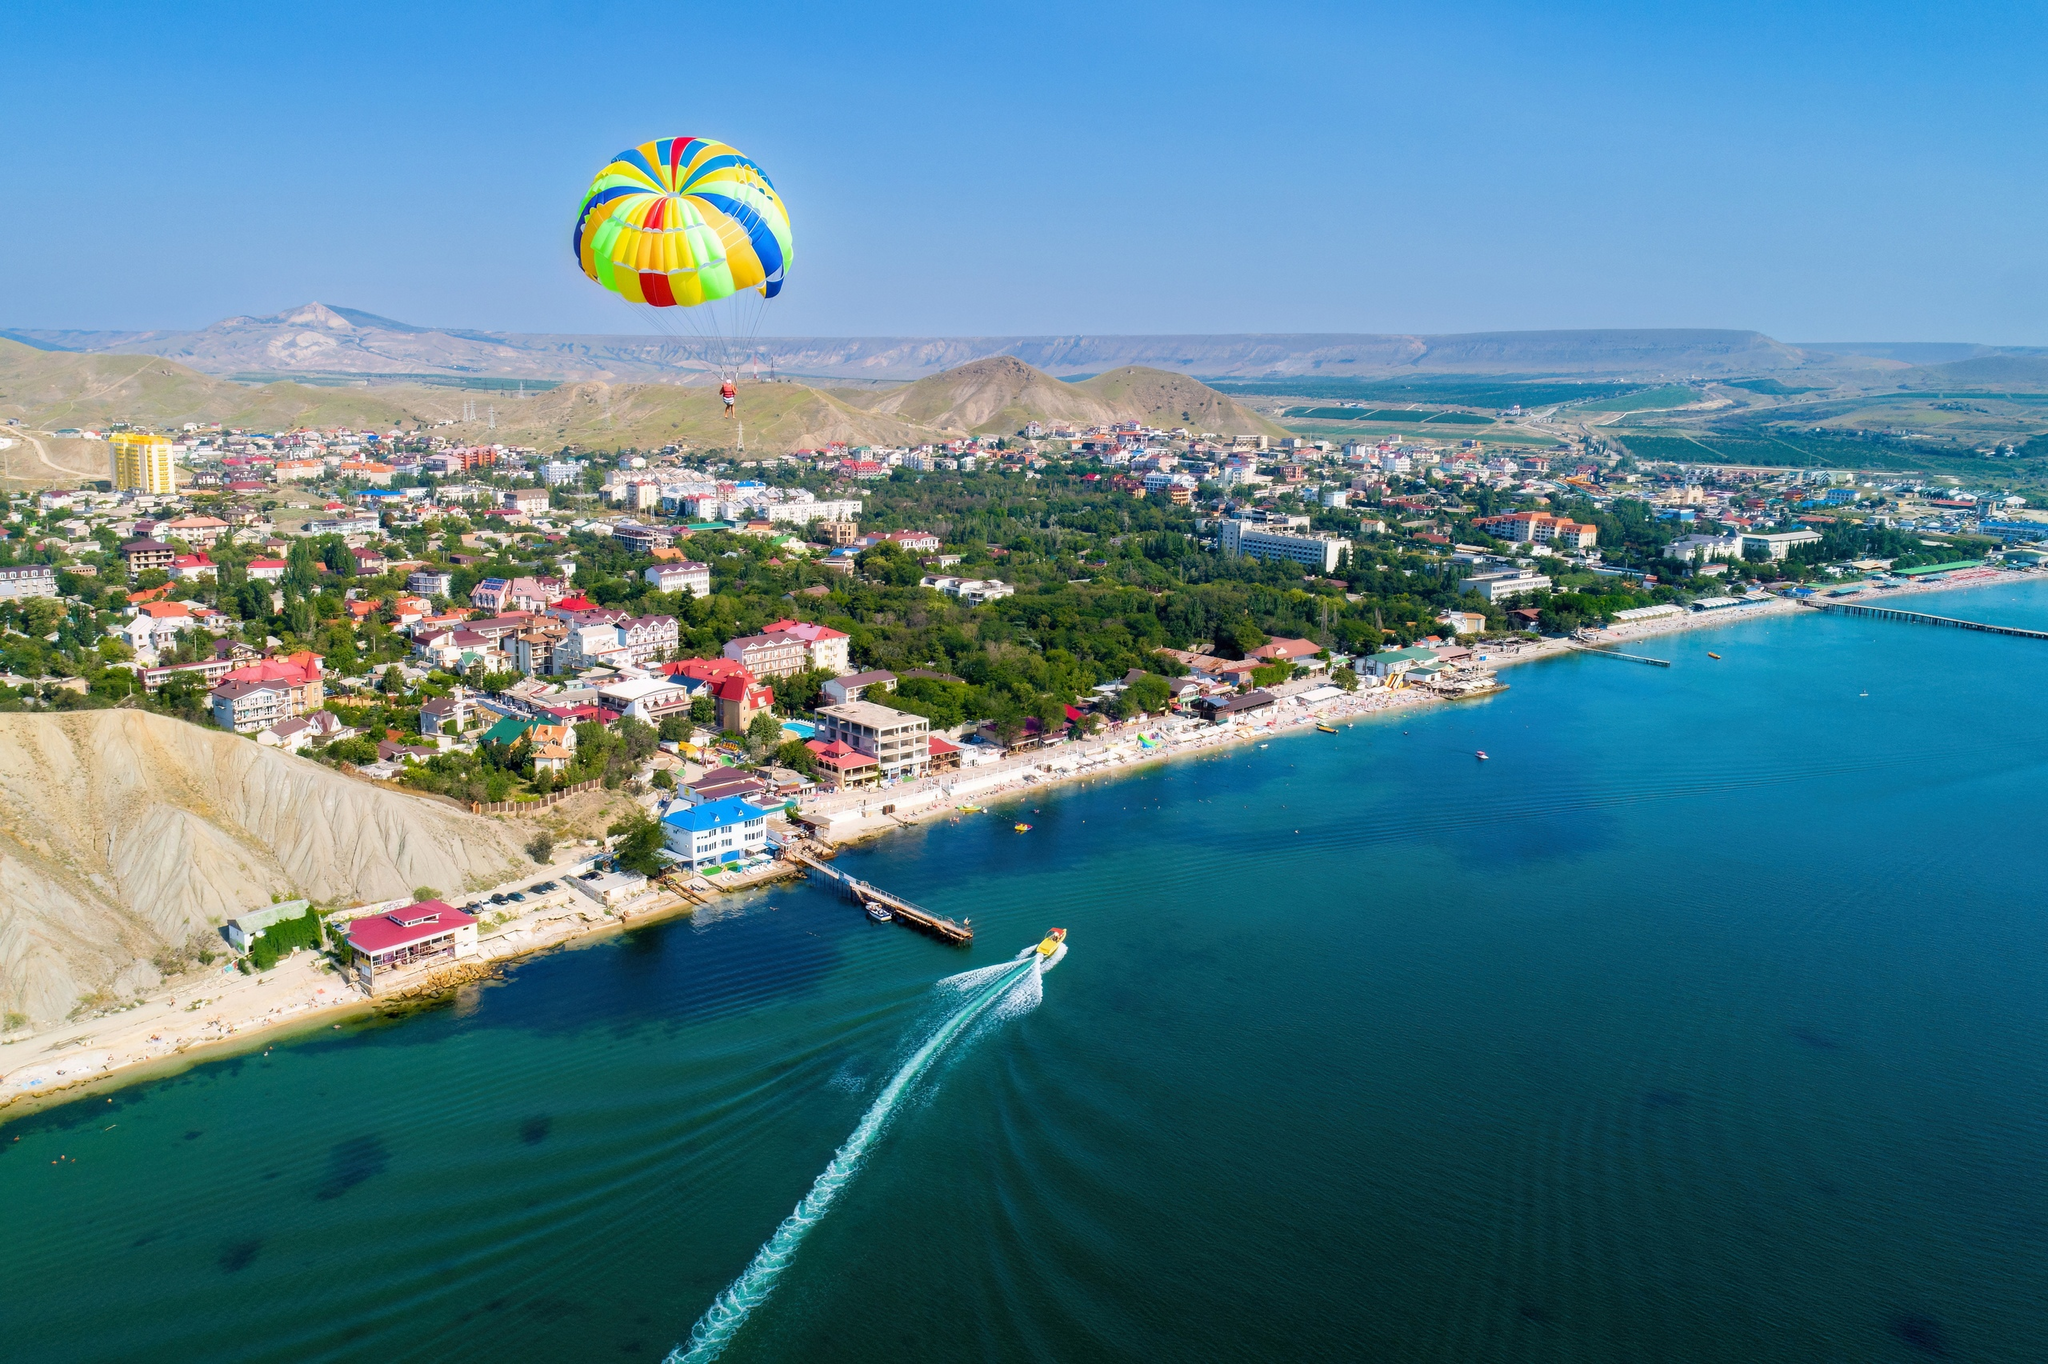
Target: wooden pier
(1628, 658)
(902, 910)
(1919, 618)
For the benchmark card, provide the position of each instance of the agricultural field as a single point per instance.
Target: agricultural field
(1435, 432)
(1644, 400)
(1398, 415)
(1489, 392)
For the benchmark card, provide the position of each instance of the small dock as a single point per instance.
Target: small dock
(1836, 608)
(1626, 658)
(902, 910)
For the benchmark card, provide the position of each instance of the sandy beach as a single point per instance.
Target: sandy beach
(197, 1018)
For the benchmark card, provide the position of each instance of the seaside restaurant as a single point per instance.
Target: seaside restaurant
(424, 934)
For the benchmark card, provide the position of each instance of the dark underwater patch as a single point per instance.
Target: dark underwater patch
(534, 1131)
(236, 1256)
(1921, 1332)
(351, 1162)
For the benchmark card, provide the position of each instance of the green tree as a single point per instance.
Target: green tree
(1149, 693)
(639, 843)
(796, 755)
(637, 739)
(765, 730)
(703, 709)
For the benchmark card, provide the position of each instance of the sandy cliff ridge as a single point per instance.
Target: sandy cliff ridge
(124, 833)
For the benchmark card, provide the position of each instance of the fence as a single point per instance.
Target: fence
(507, 807)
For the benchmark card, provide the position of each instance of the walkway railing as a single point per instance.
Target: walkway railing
(1921, 618)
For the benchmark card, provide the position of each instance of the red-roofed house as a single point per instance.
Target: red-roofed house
(704, 671)
(740, 698)
(945, 755)
(1286, 650)
(267, 570)
(194, 568)
(258, 695)
(424, 934)
(843, 765)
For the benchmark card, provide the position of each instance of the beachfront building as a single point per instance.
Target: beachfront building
(715, 831)
(1777, 544)
(1391, 663)
(899, 742)
(844, 766)
(1315, 549)
(1505, 585)
(429, 933)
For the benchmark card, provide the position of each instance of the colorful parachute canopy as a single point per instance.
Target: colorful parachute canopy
(683, 221)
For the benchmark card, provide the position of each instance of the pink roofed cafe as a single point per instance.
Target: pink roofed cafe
(429, 933)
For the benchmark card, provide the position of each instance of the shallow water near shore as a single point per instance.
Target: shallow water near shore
(1706, 1021)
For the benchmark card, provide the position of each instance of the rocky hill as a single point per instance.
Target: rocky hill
(998, 395)
(123, 834)
(50, 390)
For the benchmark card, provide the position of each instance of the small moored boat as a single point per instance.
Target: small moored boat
(879, 913)
(1325, 729)
(1481, 755)
(1711, 654)
(1021, 828)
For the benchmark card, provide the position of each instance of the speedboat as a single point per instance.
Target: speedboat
(1052, 949)
(1021, 828)
(879, 913)
(1481, 755)
(1713, 655)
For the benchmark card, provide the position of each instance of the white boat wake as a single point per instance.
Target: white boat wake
(996, 992)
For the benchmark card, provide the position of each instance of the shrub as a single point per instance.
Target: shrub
(283, 938)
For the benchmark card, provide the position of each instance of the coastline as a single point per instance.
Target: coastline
(155, 1037)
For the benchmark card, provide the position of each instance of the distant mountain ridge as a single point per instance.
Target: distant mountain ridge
(55, 389)
(319, 340)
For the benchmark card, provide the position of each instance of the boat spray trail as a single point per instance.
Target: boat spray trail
(716, 1328)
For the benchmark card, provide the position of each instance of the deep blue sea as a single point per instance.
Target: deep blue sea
(1707, 1021)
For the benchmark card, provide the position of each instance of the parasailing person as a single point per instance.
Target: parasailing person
(692, 232)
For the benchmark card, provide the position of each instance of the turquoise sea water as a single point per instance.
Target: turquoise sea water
(1707, 1021)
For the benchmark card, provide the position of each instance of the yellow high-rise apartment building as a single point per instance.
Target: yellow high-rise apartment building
(142, 463)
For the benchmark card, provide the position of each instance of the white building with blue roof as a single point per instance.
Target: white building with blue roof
(715, 831)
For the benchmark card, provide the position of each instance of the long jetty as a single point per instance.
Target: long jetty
(902, 910)
(1920, 618)
(1628, 658)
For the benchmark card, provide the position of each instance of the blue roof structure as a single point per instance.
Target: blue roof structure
(714, 814)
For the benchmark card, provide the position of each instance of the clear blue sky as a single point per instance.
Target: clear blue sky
(1818, 172)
